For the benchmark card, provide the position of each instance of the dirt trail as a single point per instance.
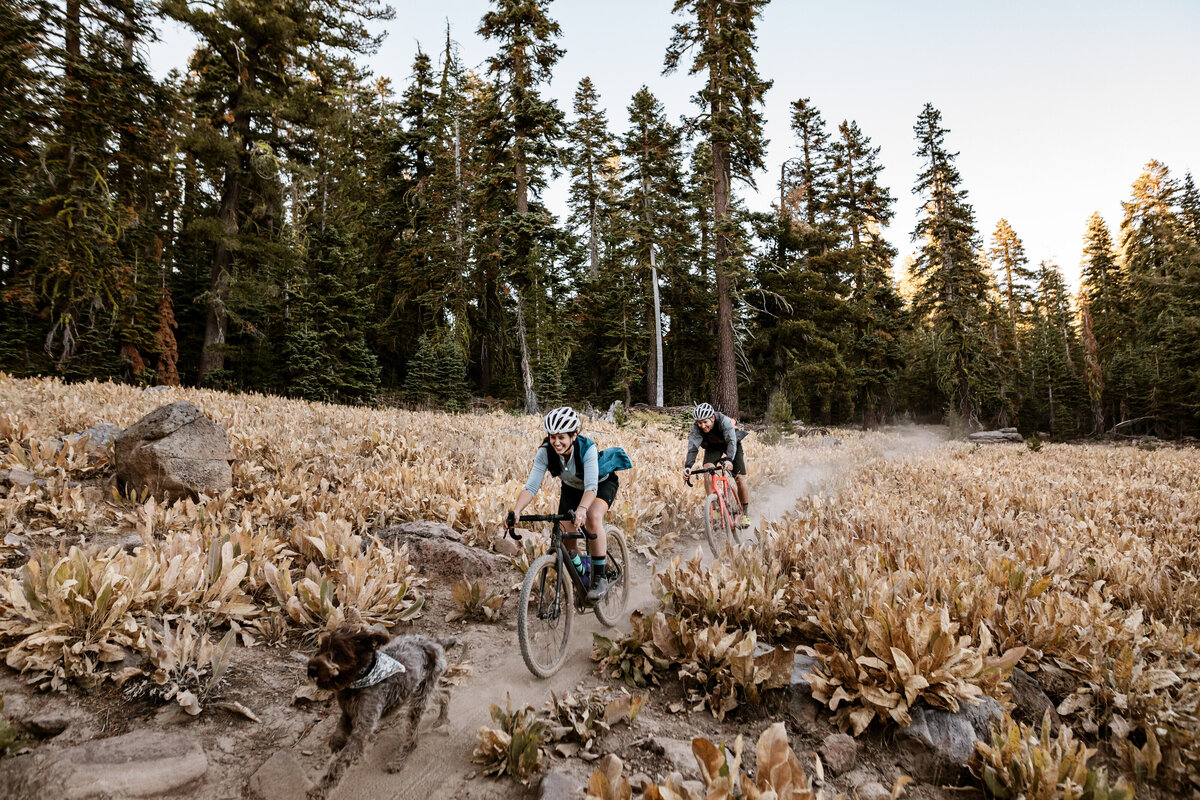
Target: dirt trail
(441, 765)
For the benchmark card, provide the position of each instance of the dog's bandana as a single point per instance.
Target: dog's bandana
(383, 667)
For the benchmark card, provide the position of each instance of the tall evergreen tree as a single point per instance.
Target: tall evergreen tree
(590, 147)
(863, 208)
(255, 67)
(326, 349)
(723, 34)
(654, 188)
(954, 284)
(527, 55)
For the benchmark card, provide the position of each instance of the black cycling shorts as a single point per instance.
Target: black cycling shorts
(715, 454)
(606, 490)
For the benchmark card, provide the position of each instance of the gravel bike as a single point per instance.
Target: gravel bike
(553, 591)
(722, 509)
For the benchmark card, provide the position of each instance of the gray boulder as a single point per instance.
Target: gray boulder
(1030, 703)
(176, 452)
(142, 763)
(937, 744)
(436, 549)
(995, 437)
(98, 436)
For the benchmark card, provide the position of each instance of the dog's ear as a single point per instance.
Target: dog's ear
(379, 638)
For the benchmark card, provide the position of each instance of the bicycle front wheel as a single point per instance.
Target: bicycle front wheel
(735, 513)
(716, 528)
(544, 616)
(611, 608)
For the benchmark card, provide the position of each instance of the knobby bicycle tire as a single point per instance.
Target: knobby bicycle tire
(734, 506)
(547, 564)
(611, 609)
(716, 526)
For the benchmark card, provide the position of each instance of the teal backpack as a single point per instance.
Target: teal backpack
(608, 460)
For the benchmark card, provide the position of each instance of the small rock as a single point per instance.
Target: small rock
(138, 764)
(445, 557)
(858, 776)
(156, 388)
(1030, 703)
(556, 786)
(48, 724)
(226, 744)
(17, 477)
(506, 547)
(611, 766)
(678, 754)
(98, 436)
(839, 751)
(937, 744)
(638, 781)
(694, 788)
(281, 777)
(425, 529)
(874, 791)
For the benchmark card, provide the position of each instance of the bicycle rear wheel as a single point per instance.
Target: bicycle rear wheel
(611, 608)
(544, 616)
(735, 513)
(716, 527)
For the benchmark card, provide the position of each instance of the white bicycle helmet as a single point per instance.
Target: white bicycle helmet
(562, 420)
(703, 411)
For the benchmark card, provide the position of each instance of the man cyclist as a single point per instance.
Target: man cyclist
(721, 442)
(575, 459)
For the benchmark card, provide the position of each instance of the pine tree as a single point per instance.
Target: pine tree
(654, 187)
(168, 349)
(254, 70)
(954, 284)
(1189, 208)
(1013, 278)
(1058, 393)
(526, 57)
(326, 350)
(723, 34)
(1106, 288)
(1093, 375)
(862, 208)
(590, 148)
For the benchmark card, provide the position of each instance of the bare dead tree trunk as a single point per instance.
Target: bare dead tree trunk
(531, 403)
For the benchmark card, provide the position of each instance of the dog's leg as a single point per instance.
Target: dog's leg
(409, 742)
(338, 740)
(443, 696)
(363, 729)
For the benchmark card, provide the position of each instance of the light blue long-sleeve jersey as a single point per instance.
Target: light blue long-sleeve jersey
(587, 482)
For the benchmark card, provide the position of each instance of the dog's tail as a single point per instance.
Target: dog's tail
(448, 642)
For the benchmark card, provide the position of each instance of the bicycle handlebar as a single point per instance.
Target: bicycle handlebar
(512, 520)
(704, 471)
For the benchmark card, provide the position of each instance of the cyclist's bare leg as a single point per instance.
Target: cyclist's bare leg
(743, 490)
(708, 479)
(595, 523)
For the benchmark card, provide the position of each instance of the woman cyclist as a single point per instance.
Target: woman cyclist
(574, 459)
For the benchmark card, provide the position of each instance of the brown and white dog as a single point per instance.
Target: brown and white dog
(373, 675)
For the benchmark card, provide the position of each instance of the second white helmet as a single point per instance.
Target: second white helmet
(562, 420)
(703, 411)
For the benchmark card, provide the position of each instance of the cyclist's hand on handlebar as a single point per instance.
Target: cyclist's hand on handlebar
(727, 464)
(510, 523)
(687, 475)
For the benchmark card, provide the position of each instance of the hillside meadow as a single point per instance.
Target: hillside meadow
(915, 571)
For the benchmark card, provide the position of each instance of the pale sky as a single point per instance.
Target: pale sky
(1054, 106)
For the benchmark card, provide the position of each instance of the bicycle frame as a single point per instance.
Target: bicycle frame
(558, 539)
(720, 485)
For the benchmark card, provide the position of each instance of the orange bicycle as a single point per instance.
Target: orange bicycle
(722, 509)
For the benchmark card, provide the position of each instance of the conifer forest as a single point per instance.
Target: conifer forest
(273, 218)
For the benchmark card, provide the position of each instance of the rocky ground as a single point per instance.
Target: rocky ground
(106, 744)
